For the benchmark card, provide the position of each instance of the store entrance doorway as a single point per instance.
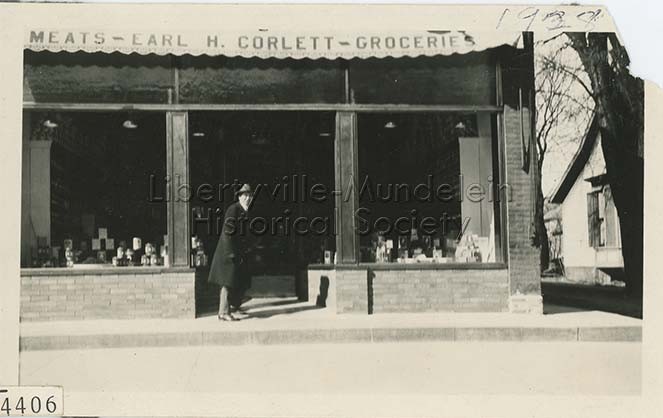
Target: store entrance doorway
(284, 156)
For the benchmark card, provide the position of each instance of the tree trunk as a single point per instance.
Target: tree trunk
(541, 233)
(619, 99)
(625, 176)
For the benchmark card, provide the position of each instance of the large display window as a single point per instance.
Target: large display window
(259, 121)
(94, 190)
(427, 188)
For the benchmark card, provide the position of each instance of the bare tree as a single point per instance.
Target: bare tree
(619, 101)
(563, 111)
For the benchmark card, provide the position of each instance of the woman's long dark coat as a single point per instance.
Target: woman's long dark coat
(230, 263)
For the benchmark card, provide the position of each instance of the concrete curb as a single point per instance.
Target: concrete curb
(333, 335)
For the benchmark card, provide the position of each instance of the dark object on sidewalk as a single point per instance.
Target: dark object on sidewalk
(321, 300)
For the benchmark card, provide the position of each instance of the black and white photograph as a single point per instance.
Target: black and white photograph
(268, 216)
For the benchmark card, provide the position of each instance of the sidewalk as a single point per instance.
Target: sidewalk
(287, 321)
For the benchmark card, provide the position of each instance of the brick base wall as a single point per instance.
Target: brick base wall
(352, 291)
(440, 291)
(426, 290)
(122, 295)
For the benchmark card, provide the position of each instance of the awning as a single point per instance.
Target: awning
(272, 44)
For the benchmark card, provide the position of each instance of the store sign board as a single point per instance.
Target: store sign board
(269, 44)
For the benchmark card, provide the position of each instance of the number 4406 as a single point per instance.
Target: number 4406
(34, 405)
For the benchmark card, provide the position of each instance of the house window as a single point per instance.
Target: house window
(612, 236)
(594, 219)
(602, 219)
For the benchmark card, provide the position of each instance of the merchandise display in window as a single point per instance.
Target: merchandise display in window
(426, 188)
(107, 208)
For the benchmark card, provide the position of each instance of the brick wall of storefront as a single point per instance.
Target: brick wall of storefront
(524, 271)
(126, 294)
(439, 291)
(352, 291)
(381, 290)
(519, 157)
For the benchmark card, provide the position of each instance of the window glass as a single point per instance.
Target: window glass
(426, 189)
(96, 78)
(467, 79)
(95, 184)
(224, 80)
(594, 219)
(611, 219)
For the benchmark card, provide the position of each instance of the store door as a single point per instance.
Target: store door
(282, 155)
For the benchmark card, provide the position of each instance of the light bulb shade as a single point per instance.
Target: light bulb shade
(50, 124)
(129, 124)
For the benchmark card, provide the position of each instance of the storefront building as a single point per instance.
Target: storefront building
(392, 171)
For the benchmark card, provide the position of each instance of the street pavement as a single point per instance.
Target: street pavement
(325, 377)
(410, 368)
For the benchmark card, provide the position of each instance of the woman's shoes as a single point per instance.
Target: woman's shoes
(227, 317)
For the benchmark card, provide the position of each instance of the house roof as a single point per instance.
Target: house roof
(577, 164)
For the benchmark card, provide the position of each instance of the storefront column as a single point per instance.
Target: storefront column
(177, 168)
(520, 169)
(346, 169)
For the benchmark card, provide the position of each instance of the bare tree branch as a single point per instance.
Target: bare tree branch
(571, 73)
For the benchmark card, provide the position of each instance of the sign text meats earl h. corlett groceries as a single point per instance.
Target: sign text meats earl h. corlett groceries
(267, 43)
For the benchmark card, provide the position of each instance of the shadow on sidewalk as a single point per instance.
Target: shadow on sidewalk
(552, 309)
(264, 308)
(570, 297)
(281, 311)
(258, 303)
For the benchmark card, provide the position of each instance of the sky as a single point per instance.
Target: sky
(568, 131)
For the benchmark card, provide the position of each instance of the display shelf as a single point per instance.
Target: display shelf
(105, 269)
(410, 266)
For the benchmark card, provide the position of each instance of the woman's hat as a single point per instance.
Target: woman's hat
(244, 189)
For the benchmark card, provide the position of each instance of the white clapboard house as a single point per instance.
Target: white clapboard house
(591, 241)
